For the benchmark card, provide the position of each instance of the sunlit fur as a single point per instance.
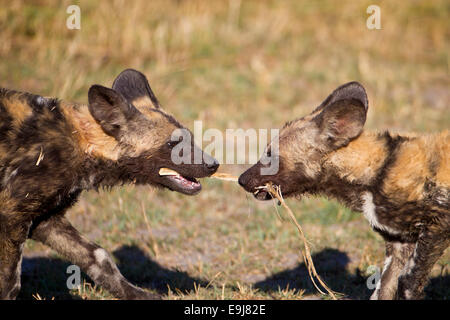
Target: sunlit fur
(401, 182)
(50, 151)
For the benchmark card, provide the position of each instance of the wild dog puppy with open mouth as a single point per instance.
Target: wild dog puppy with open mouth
(51, 150)
(400, 183)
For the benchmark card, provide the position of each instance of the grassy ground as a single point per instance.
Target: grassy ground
(232, 64)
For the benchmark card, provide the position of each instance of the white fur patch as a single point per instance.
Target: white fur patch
(387, 263)
(374, 295)
(408, 294)
(369, 210)
(100, 255)
(9, 176)
(41, 100)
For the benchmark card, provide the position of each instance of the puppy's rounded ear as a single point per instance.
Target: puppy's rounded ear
(134, 86)
(351, 90)
(110, 109)
(341, 117)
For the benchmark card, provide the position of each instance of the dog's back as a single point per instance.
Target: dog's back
(421, 171)
(33, 128)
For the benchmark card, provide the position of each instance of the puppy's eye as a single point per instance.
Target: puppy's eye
(269, 153)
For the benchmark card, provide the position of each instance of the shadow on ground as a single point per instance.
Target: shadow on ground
(331, 266)
(47, 276)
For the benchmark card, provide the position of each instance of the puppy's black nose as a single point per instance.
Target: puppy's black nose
(242, 181)
(212, 166)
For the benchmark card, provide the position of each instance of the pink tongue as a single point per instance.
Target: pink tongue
(185, 182)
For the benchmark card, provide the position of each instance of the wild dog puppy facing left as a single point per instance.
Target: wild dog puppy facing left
(400, 183)
(51, 150)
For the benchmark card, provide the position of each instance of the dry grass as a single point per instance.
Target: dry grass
(232, 64)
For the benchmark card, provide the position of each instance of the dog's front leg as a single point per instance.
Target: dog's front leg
(397, 254)
(13, 234)
(428, 250)
(60, 235)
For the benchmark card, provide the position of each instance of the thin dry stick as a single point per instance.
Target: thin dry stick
(217, 175)
(225, 177)
(276, 210)
(275, 191)
(41, 157)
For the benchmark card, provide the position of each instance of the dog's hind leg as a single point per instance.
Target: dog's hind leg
(60, 235)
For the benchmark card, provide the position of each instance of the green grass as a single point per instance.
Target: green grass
(232, 64)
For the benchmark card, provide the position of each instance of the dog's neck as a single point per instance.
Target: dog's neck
(359, 161)
(91, 138)
(351, 170)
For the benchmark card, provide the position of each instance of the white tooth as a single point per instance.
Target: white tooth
(168, 172)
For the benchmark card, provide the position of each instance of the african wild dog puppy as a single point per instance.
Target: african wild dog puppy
(400, 183)
(51, 150)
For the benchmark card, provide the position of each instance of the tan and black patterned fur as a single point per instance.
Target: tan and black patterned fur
(400, 182)
(52, 150)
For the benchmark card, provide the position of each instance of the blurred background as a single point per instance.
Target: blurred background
(232, 64)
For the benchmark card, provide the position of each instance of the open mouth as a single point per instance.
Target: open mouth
(262, 194)
(177, 182)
